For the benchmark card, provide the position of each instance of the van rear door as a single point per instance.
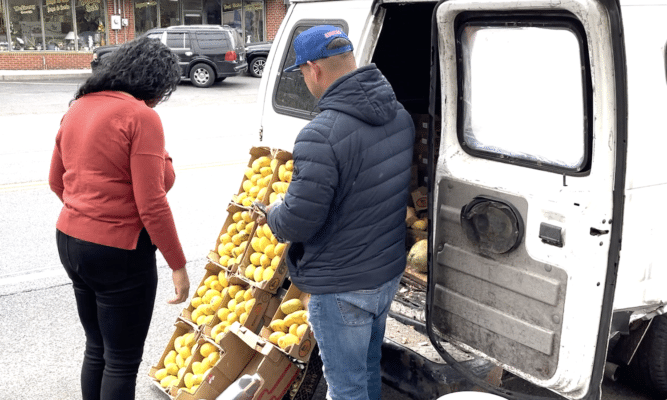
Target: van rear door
(527, 185)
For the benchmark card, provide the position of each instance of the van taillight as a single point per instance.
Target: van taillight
(230, 56)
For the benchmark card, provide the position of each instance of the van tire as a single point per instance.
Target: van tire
(202, 75)
(649, 366)
(310, 380)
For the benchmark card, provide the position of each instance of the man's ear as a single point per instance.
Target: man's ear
(315, 71)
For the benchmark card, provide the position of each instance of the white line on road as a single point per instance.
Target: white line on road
(33, 275)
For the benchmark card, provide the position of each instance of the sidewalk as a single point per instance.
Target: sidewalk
(31, 75)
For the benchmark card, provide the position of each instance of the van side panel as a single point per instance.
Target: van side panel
(642, 274)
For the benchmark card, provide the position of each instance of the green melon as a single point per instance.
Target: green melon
(418, 255)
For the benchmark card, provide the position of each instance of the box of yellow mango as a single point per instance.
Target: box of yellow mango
(260, 174)
(233, 239)
(171, 368)
(212, 369)
(263, 265)
(276, 369)
(223, 298)
(289, 329)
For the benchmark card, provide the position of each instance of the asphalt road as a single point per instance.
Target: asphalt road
(208, 133)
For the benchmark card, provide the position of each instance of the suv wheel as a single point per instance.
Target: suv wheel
(257, 67)
(202, 75)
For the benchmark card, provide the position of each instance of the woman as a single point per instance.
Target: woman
(111, 171)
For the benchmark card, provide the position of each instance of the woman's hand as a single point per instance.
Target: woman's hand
(181, 286)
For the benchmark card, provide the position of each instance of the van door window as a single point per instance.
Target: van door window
(178, 40)
(292, 95)
(523, 93)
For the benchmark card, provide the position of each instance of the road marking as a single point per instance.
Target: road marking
(13, 187)
(33, 275)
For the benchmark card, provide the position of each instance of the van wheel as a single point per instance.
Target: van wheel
(257, 67)
(649, 366)
(306, 383)
(202, 75)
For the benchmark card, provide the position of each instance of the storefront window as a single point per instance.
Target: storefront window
(88, 20)
(169, 15)
(58, 24)
(4, 44)
(212, 11)
(254, 21)
(145, 15)
(245, 13)
(24, 24)
(231, 14)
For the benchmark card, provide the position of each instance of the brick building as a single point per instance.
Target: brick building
(61, 34)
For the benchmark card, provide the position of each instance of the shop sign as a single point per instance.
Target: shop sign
(57, 5)
(91, 5)
(25, 9)
(145, 4)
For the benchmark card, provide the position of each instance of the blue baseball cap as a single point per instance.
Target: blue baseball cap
(312, 44)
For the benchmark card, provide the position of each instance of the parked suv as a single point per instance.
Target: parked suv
(207, 53)
(256, 54)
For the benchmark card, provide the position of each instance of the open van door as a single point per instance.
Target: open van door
(526, 186)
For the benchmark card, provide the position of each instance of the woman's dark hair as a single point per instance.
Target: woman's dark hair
(143, 67)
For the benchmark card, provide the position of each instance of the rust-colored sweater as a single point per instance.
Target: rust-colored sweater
(112, 173)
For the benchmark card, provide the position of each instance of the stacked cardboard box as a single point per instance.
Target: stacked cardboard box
(223, 332)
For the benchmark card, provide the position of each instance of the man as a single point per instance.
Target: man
(344, 211)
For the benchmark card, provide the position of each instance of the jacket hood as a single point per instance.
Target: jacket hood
(364, 94)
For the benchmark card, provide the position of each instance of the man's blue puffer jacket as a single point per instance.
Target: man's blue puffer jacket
(344, 211)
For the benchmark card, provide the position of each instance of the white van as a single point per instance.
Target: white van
(547, 121)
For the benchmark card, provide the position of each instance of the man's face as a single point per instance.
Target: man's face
(309, 72)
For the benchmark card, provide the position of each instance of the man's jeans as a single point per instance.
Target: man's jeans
(349, 329)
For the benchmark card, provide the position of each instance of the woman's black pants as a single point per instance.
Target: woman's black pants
(115, 293)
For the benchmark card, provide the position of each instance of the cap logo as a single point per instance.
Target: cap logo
(330, 34)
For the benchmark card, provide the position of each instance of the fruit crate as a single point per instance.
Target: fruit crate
(257, 305)
(263, 264)
(305, 342)
(236, 230)
(260, 175)
(234, 357)
(182, 327)
(276, 369)
(209, 283)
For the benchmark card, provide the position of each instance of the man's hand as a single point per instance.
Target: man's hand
(181, 285)
(263, 214)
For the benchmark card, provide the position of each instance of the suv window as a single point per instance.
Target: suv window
(292, 95)
(214, 41)
(178, 40)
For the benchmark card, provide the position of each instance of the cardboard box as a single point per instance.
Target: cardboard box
(279, 274)
(211, 269)
(270, 363)
(256, 317)
(234, 357)
(256, 152)
(300, 351)
(214, 255)
(182, 327)
(420, 199)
